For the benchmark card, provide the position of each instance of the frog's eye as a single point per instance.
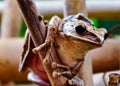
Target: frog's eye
(105, 36)
(80, 29)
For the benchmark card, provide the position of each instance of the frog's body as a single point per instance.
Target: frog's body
(72, 49)
(68, 40)
(71, 38)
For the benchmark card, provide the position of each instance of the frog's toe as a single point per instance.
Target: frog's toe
(34, 50)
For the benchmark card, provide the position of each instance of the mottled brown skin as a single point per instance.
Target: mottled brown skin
(72, 46)
(74, 50)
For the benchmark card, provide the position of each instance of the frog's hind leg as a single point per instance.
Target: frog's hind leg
(65, 70)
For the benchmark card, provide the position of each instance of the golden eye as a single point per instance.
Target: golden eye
(80, 29)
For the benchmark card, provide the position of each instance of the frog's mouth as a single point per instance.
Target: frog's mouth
(93, 36)
(82, 32)
(89, 36)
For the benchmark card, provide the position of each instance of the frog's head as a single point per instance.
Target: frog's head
(80, 27)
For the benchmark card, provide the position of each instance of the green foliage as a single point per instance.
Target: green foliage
(95, 21)
(23, 29)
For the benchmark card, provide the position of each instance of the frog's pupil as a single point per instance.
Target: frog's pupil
(80, 29)
(105, 36)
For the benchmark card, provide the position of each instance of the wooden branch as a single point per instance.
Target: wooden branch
(74, 6)
(11, 20)
(108, 55)
(31, 16)
(37, 31)
(10, 50)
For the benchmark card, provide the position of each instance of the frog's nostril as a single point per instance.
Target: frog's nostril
(80, 29)
(105, 36)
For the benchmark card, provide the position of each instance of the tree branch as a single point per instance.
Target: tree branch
(35, 24)
(37, 31)
(73, 7)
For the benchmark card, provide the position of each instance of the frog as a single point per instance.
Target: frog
(71, 38)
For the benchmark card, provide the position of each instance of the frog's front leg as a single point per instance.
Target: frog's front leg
(51, 33)
(47, 43)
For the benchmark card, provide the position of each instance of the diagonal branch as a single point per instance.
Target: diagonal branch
(35, 24)
(37, 31)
